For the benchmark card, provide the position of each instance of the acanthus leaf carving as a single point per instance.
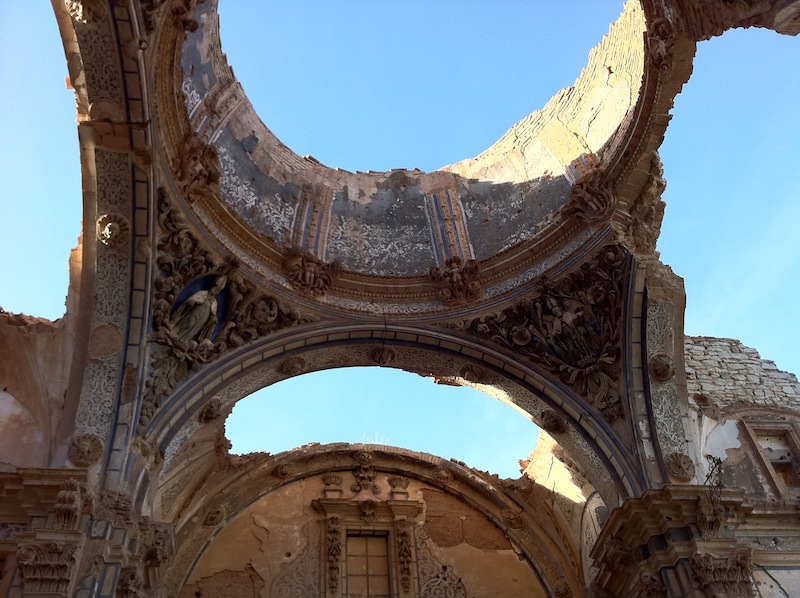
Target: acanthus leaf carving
(309, 274)
(457, 281)
(572, 329)
(727, 575)
(202, 308)
(46, 568)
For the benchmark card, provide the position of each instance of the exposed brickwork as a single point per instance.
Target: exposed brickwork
(727, 372)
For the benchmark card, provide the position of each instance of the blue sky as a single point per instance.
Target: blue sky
(377, 85)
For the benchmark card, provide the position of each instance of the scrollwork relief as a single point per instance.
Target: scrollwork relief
(572, 329)
(457, 281)
(435, 579)
(403, 547)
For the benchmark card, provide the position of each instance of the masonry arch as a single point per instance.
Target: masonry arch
(577, 427)
(538, 535)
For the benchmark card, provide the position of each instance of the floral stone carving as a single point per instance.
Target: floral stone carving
(113, 230)
(85, 450)
(572, 329)
(46, 568)
(203, 307)
(457, 281)
(680, 467)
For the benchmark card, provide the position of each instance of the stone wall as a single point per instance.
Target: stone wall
(723, 372)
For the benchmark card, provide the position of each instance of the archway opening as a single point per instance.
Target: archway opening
(375, 405)
(730, 160)
(40, 180)
(381, 85)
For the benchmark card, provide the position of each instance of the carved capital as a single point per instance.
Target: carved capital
(46, 568)
(726, 575)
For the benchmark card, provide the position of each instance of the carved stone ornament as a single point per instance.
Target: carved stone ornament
(183, 14)
(552, 422)
(647, 211)
(150, 10)
(404, 556)
(334, 553)
(474, 373)
(729, 575)
(660, 40)
(368, 509)
(85, 450)
(561, 589)
(202, 308)
(210, 412)
(572, 329)
(710, 516)
(651, 586)
(309, 274)
(457, 281)
(365, 475)
(294, 366)
(89, 12)
(591, 199)
(113, 230)
(130, 583)
(680, 467)
(69, 503)
(214, 516)
(382, 354)
(196, 168)
(46, 568)
(661, 367)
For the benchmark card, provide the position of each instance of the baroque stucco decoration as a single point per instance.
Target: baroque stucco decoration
(571, 328)
(216, 261)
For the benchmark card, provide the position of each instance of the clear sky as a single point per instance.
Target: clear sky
(377, 85)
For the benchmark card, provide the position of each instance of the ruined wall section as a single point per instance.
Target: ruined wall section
(722, 372)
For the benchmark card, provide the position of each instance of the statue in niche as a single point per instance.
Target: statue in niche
(195, 320)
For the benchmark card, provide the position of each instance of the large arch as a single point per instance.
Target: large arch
(183, 301)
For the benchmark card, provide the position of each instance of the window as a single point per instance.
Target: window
(367, 566)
